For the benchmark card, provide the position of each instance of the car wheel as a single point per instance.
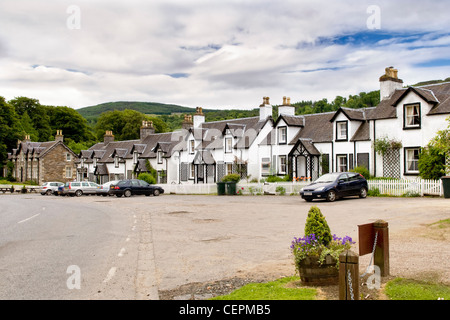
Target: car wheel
(363, 193)
(156, 192)
(49, 192)
(331, 195)
(78, 193)
(127, 193)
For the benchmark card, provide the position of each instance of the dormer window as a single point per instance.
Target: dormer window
(116, 161)
(411, 116)
(282, 135)
(159, 155)
(228, 145)
(95, 162)
(135, 157)
(341, 130)
(191, 146)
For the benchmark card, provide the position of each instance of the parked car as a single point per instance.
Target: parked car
(135, 187)
(332, 186)
(48, 188)
(103, 190)
(78, 188)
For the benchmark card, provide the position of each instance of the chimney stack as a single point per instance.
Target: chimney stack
(108, 137)
(59, 136)
(146, 129)
(265, 110)
(187, 122)
(199, 117)
(286, 108)
(389, 82)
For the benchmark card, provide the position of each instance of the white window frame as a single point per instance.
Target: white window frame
(411, 160)
(229, 168)
(282, 135)
(116, 161)
(159, 155)
(135, 157)
(191, 171)
(411, 115)
(341, 166)
(342, 130)
(228, 145)
(265, 166)
(191, 146)
(68, 172)
(68, 157)
(282, 169)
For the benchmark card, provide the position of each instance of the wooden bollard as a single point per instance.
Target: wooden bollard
(348, 276)
(381, 255)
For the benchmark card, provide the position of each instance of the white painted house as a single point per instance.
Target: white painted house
(301, 146)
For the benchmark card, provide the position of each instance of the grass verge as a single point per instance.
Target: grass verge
(406, 289)
(281, 289)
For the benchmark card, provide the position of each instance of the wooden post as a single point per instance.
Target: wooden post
(348, 276)
(381, 255)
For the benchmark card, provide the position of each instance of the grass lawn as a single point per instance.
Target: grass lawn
(406, 289)
(282, 289)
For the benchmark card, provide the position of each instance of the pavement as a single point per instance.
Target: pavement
(137, 247)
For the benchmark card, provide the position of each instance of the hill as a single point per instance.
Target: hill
(92, 112)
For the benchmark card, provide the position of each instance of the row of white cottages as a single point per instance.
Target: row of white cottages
(302, 146)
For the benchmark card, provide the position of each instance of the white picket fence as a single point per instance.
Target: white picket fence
(401, 187)
(388, 187)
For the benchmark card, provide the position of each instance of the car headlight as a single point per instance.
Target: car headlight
(319, 189)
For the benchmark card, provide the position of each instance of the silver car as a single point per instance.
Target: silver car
(78, 188)
(103, 189)
(48, 188)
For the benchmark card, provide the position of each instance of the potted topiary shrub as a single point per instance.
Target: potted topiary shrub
(316, 254)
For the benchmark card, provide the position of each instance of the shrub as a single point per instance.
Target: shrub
(285, 178)
(147, 177)
(318, 226)
(431, 163)
(280, 190)
(232, 177)
(362, 171)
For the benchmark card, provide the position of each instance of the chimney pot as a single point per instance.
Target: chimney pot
(284, 100)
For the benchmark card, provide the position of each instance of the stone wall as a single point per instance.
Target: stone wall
(52, 167)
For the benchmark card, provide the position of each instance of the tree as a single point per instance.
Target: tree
(10, 129)
(72, 124)
(442, 144)
(431, 163)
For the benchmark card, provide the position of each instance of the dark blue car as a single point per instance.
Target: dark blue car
(332, 186)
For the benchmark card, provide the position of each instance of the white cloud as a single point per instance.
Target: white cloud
(214, 53)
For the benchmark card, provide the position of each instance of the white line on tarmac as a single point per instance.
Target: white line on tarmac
(29, 218)
(121, 253)
(110, 274)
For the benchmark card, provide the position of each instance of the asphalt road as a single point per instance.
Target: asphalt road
(130, 248)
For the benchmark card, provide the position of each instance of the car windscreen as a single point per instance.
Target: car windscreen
(329, 177)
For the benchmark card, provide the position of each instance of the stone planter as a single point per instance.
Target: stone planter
(315, 274)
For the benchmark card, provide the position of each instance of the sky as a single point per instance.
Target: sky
(215, 54)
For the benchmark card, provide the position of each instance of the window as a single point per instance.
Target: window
(282, 168)
(341, 130)
(68, 157)
(160, 160)
(68, 172)
(229, 168)
(135, 157)
(265, 166)
(191, 171)
(228, 145)
(341, 163)
(191, 146)
(411, 116)
(116, 161)
(282, 135)
(412, 160)
(95, 162)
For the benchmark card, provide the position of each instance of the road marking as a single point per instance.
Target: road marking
(110, 274)
(25, 220)
(121, 253)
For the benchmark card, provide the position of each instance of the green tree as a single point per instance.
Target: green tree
(10, 130)
(442, 144)
(72, 124)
